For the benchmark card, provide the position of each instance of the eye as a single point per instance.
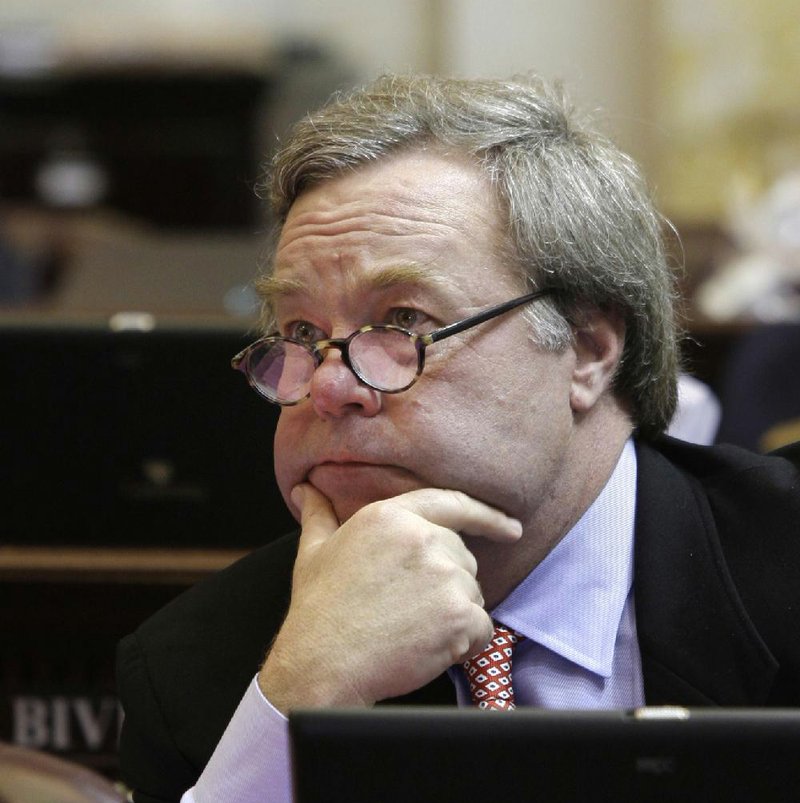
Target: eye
(304, 331)
(405, 317)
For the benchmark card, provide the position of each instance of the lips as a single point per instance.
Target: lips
(344, 460)
(344, 466)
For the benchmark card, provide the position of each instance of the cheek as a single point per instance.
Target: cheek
(455, 430)
(504, 417)
(285, 453)
(496, 397)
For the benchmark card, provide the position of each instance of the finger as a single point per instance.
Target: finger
(460, 563)
(452, 545)
(475, 593)
(317, 518)
(482, 631)
(457, 511)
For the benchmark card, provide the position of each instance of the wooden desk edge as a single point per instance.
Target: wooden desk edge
(122, 565)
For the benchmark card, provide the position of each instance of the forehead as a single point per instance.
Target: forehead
(414, 218)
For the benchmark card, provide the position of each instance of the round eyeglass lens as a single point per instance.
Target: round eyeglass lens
(386, 359)
(281, 370)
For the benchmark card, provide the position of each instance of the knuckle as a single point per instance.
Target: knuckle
(387, 519)
(469, 627)
(425, 501)
(472, 564)
(378, 512)
(459, 649)
(428, 502)
(460, 500)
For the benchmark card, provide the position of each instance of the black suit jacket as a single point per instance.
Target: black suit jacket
(717, 590)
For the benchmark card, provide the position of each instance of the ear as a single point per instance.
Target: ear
(599, 340)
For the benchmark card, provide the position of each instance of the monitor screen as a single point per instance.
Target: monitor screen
(447, 754)
(136, 438)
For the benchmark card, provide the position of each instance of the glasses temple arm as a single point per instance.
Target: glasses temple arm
(487, 314)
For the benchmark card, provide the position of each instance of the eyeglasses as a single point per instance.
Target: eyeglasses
(383, 357)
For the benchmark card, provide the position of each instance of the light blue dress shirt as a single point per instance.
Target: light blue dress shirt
(576, 610)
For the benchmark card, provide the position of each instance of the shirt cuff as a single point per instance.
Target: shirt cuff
(251, 761)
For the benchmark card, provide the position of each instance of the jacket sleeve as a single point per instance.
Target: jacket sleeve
(152, 765)
(183, 672)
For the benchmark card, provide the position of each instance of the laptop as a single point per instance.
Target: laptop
(422, 755)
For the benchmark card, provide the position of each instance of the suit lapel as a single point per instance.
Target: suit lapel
(697, 642)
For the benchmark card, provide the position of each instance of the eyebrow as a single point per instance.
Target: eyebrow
(272, 288)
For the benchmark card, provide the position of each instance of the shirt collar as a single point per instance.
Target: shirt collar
(572, 601)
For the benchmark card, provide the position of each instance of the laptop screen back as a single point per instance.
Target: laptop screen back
(428, 754)
(134, 439)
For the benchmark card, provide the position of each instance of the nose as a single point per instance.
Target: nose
(336, 391)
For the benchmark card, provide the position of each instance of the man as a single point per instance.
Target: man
(508, 468)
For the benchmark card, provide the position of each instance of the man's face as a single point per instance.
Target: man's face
(415, 240)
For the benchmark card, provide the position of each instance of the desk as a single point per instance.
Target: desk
(124, 565)
(62, 612)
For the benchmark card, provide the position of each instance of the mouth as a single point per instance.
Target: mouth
(348, 465)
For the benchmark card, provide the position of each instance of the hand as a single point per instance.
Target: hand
(385, 602)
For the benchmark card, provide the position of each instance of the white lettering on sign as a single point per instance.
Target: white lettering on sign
(66, 723)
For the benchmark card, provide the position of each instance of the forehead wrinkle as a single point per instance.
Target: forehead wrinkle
(320, 225)
(273, 288)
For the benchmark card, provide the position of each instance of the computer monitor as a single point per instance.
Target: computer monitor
(422, 755)
(134, 438)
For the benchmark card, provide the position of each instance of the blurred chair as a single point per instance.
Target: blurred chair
(30, 776)
(760, 391)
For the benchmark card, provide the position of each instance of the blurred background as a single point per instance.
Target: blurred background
(131, 138)
(133, 134)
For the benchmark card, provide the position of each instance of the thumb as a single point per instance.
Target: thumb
(317, 518)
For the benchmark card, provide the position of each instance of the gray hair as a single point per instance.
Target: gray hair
(580, 220)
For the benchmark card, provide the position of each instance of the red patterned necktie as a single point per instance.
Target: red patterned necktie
(489, 672)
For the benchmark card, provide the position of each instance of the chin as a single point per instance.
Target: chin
(347, 505)
(345, 510)
(349, 488)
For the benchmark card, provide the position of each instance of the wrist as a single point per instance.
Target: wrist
(289, 680)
